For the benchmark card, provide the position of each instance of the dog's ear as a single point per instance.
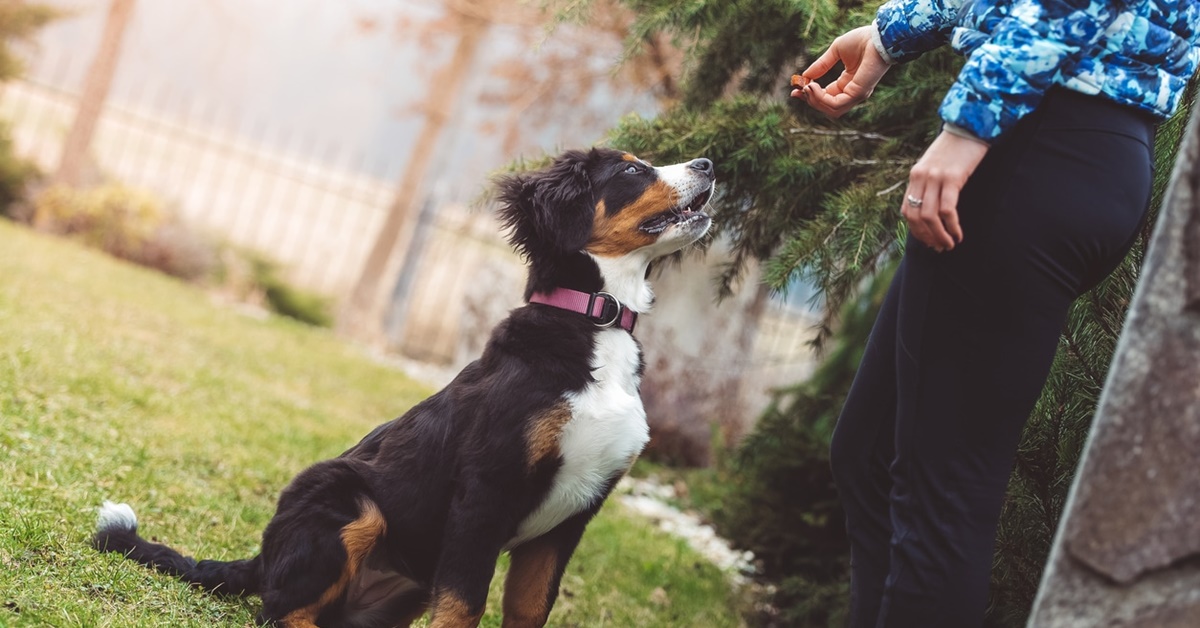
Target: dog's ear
(552, 209)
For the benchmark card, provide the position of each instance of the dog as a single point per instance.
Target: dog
(516, 454)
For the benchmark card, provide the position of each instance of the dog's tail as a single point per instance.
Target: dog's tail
(117, 532)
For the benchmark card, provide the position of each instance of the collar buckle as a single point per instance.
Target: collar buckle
(610, 311)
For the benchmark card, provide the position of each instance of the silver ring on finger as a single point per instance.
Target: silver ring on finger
(914, 201)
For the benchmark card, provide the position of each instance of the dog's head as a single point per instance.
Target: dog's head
(605, 206)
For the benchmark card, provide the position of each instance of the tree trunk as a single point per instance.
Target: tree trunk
(362, 317)
(95, 92)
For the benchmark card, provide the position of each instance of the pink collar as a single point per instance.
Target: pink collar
(601, 307)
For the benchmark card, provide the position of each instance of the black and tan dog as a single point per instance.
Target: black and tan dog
(517, 453)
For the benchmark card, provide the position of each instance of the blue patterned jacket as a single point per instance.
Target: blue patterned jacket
(1136, 52)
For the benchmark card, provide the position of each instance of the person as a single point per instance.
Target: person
(1032, 193)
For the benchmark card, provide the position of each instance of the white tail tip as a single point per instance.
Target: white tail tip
(116, 516)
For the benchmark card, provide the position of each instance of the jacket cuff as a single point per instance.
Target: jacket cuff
(954, 129)
(877, 41)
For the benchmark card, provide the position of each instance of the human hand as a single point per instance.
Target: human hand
(935, 182)
(864, 68)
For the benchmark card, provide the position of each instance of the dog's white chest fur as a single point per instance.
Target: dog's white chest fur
(607, 430)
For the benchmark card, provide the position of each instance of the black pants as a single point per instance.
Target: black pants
(961, 350)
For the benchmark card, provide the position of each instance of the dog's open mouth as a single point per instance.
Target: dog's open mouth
(690, 211)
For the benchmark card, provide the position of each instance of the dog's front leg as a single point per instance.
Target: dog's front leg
(535, 572)
(477, 527)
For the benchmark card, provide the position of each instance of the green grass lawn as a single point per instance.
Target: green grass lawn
(119, 383)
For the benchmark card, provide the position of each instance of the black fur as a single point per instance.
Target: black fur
(239, 577)
(549, 215)
(454, 477)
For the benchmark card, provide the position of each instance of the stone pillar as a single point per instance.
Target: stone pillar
(1127, 552)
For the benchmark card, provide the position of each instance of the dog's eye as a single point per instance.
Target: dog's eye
(632, 169)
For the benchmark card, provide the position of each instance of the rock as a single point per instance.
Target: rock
(1128, 549)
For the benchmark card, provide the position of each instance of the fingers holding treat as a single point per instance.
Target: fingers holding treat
(799, 82)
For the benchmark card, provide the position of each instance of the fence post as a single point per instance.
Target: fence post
(1125, 552)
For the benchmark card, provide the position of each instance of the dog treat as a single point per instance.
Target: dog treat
(799, 82)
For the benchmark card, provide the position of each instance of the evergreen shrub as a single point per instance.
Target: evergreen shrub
(15, 175)
(780, 501)
(20, 20)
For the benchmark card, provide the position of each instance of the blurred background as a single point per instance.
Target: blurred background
(340, 149)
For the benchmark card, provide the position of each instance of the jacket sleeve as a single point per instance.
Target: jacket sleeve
(1006, 77)
(908, 28)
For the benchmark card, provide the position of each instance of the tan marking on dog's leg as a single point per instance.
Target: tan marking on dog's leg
(300, 618)
(451, 611)
(527, 585)
(543, 435)
(358, 538)
(614, 236)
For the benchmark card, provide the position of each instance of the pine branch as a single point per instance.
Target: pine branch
(876, 162)
(1073, 347)
(1097, 306)
(852, 134)
(891, 188)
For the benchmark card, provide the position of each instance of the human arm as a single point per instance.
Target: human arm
(1004, 79)
(902, 30)
(1006, 76)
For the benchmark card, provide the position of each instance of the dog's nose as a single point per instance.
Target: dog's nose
(703, 166)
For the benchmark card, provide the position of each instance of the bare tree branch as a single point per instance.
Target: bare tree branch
(850, 133)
